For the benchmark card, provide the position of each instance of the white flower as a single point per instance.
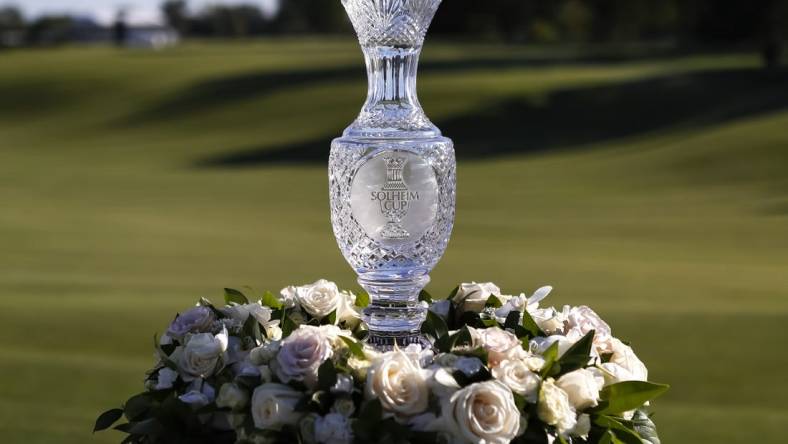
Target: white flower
(583, 427)
(344, 406)
(483, 413)
(306, 428)
(241, 313)
(397, 380)
(198, 395)
(541, 344)
(265, 353)
(287, 296)
(273, 406)
(302, 353)
(581, 320)
(554, 407)
(582, 386)
(231, 396)
(323, 297)
(516, 375)
(473, 296)
(333, 429)
(624, 365)
(522, 303)
(500, 344)
(166, 379)
(273, 332)
(202, 355)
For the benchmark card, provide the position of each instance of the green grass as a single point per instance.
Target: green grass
(653, 190)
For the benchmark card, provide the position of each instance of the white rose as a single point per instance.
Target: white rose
(273, 332)
(582, 320)
(320, 299)
(549, 320)
(473, 296)
(483, 413)
(166, 379)
(522, 303)
(583, 427)
(265, 353)
(287, 296)
(242, 312)
(231, 396)
(554, 407)
(273, 406)
(333, 429)
(500, 344)
(441, 382)
(302, 353)
(198, 395)
(582, 386)
(541, 344)
(202, 355)
(398, 381)
(624, 365)
(516, 375)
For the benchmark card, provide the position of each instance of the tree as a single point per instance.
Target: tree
(177, 15)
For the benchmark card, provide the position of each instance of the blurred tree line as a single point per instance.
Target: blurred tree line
(685, 22)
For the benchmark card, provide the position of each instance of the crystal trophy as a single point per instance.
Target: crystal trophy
(392, 174)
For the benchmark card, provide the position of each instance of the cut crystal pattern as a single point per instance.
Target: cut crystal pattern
(392, 175)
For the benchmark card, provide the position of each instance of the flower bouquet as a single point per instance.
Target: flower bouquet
(294, 368)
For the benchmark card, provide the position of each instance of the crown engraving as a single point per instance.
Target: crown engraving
(395, 198)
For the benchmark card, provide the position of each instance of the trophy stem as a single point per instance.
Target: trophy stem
(395, 314)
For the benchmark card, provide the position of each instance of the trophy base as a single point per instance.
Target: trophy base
(394, 315)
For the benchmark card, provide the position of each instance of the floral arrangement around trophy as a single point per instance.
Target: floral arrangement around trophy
(294, 368)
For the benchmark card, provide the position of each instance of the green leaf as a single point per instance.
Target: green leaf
(137, 406)
(326, 375)
(463, 338)
(425, 296)
(550, 356)
(493, 302)
(331, 319)
(233, 296)
(270, 300)
(106, 419)
(629, 395)
(150, 426)
(621, 430)
(436, 324)
(362, 299)
(453, 293)
(645, 427)
(530, 325)
(251, 328)
(288, 325)
(578, 354)
(512, 320)
(355, 347)
(609, 438)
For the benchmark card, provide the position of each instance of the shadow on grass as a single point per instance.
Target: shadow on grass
(576, 117)
(227, 90)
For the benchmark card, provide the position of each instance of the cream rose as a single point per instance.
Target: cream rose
(483, 413)
(273, 406)
(582, 386)
(397, 380)
(301, 354)
(554, 407)
(333, 429)
(242, 312)
(473, 296)
(202, 355)
(500, 344)
(231, 396)
(516, 375)
(324, 297)
(581, 320)
(624, 365)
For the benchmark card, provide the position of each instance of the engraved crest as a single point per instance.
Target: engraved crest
(394, 198)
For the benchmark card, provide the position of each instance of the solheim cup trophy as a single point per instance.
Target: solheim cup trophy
(392, 174)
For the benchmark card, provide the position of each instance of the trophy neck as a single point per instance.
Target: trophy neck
(392, 109)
